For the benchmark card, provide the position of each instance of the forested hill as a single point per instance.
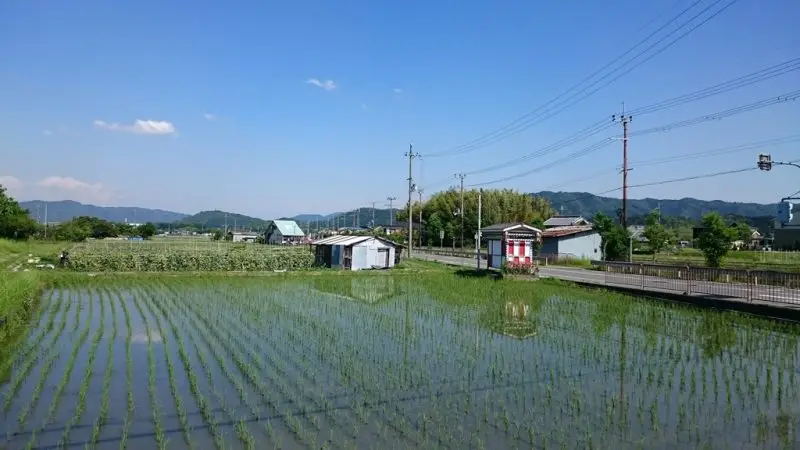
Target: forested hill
(586, 204)
(61, 211)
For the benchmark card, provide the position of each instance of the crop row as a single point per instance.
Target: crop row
(84, 259)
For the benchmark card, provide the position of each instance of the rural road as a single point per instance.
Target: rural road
(777, 295)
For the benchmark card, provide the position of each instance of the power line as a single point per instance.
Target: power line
(602, 125)
(684, 157)
(663, 128)
(545, 112)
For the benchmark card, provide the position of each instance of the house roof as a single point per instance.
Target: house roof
(504, 227)
(563, 221)
(347, 241)
(288, 227)
(244, 233)
(559, 232)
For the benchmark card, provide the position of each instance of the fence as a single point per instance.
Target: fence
(763, 285)
(543, 259)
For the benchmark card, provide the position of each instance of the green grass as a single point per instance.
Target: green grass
(735, 259)
(14, 253)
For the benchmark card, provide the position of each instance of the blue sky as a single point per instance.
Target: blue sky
(277, 108)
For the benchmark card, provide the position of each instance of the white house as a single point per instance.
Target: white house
(355, 252)
(578, 242)
(281, 232)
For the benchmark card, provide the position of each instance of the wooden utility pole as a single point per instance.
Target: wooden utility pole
(461, 176)
(624, 120)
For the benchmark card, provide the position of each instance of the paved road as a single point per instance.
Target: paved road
(775, 295)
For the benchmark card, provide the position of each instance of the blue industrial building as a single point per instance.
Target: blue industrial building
(572, 242)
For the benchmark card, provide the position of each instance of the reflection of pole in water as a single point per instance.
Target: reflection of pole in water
(622, 365)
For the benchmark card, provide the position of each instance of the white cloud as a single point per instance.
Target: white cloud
(209, 116)
(59, 187)
(397, 91)
(154, 127)
(328, 85)
(12, 184)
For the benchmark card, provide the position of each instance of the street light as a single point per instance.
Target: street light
(765, 162)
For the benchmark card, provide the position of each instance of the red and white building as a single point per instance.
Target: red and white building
(511, 243)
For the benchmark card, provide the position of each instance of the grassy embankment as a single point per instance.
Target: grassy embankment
(742, 259)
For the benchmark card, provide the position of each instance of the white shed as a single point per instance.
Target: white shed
(355, 252)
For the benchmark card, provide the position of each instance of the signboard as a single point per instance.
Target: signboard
(441, 234)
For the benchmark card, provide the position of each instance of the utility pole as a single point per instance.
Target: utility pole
(226, 224)
(45, 220)
(624, 120)
(358, 218)
(461, 176)
(419, 191)
(478, 240)
(411, 155)
(373, 214)
(391, 209)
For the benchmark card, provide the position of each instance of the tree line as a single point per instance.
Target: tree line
(17, 224)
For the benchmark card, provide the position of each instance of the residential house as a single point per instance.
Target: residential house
(355, 252)
(637, 233)
(283, 232)
(577, 242)
(565, 221)
(400, 227)
(510, 242)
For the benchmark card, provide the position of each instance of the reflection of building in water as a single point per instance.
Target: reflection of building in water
(364, 289)
(515, 320)
(372, 289)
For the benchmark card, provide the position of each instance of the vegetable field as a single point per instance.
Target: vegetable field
(380, 361)
(144, 256)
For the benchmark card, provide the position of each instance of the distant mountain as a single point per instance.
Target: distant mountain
(219, 219)
(356, 217)
(586, 204)
(62, 211)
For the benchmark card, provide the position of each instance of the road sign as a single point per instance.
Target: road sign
(441, 234)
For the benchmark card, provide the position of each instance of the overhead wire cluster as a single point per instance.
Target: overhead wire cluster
(601, 77)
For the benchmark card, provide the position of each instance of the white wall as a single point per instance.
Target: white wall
(587, 246)
(495, 250)
(366, 254)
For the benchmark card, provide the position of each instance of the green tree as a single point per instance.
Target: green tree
(742, 232)
(146, 230)
(614, 238)
(15, 223)
(74, 231)
(715, 239)
(657, 234)
(218, 235)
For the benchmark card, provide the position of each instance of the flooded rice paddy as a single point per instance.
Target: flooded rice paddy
(431, 361)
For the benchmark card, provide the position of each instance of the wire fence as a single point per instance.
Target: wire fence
(750, 285)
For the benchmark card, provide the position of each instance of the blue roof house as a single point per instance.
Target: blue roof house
(281, 232)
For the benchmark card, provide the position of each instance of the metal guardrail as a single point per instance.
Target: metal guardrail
(763, 285)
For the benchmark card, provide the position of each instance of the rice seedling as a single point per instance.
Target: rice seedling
(420, 361)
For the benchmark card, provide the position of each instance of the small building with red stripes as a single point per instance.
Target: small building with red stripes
(511, 242)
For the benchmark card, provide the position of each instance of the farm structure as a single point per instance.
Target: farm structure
(511, 242)
(241, 236)
(281, 232)
(355, 252)
(579, 242)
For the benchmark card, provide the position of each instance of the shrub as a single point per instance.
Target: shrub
(519, 268)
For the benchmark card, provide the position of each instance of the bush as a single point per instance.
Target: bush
(519, 268)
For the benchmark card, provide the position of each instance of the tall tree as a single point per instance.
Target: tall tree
(657, 234)
(15, 223)
(715, 239)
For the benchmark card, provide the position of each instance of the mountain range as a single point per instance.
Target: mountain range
(565, 203)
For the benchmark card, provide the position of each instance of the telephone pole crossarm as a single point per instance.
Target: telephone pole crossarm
(410, 155)
(624, 120)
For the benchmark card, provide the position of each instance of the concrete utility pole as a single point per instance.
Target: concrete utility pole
(624, 120)
(411, 155)
(391, 209)
(358, 218)
(478, 240)
(373, 214)
(45, 220)
(461, 176)
(419, 191)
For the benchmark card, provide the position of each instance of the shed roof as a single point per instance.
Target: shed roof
(564, 221)
(504, 227)
(288, 227)
(559, 232)
(347, 241)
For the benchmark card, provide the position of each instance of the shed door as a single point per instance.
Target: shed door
(383, 257)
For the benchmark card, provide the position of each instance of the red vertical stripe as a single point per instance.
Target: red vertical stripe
(510, 248)
(521, 248)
